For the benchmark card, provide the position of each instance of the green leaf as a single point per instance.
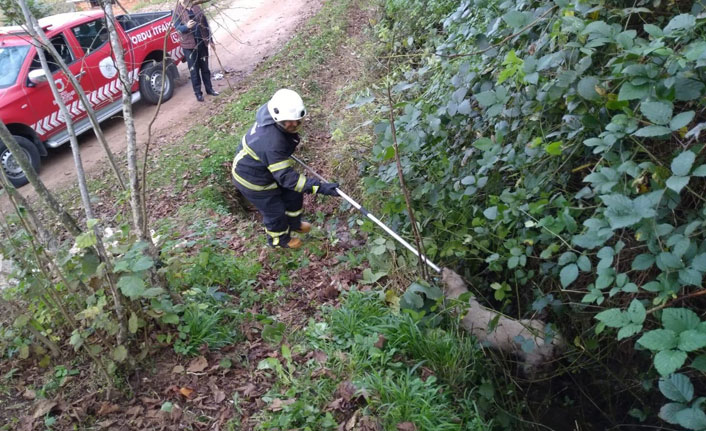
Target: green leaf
(690, 277)
(679, 319)
(152, 292)
(584, 263)
(91, 223)
(699, 172)
(657, 112)
(684, 21)
(629, 91)
(486, 98)
(131, 286)
(119, 353)
(491, 213)
(653, 30)
(668, 361)
(554, 148)
(668, 412)
(568, 274)
(86, 240)
(699, 363)
(21, 320)
(171, 318)
(132, 323)
(652, 131)
(658, 339)
(666, 261)
(681, 164)
(643, 261)
(681, 120)
(677, 388)
(688, 89)
(143, 263)
(613, 318)
(629, 330)
(691, 340)
(677, 183)
(587, 88)
(637, 312)
(167, 406)
(699, 262)
(692, 418)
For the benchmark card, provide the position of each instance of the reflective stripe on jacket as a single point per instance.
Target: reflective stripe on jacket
(263, 159)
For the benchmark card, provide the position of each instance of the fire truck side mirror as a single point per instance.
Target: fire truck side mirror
(37, 76)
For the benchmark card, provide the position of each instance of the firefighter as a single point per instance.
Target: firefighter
(262, 169)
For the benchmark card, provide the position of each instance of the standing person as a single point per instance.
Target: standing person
(262, 169)
(195, 36)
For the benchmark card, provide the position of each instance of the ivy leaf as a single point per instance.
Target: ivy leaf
(679, 319)
(677, 183)
(692, 418)
(658, 339)
(657, 112)
(652, 131)
(677, 388)
(643, 261)
(681, 164)
(587, 88)
(568, 274)
(668, 361)
(681, 120)
(691, 340)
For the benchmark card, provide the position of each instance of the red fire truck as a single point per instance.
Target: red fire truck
(27, 105)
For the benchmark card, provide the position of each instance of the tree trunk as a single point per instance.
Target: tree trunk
(131, 136)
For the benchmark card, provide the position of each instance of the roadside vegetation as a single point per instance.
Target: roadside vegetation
(551, 151)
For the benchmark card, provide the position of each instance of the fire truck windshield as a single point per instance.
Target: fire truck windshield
(11, 60)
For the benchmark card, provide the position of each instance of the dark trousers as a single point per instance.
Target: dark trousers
(281, 211)
(197, 60)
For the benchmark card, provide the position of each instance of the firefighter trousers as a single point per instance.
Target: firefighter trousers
(281, 211)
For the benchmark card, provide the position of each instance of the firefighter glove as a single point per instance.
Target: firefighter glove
(328, 189)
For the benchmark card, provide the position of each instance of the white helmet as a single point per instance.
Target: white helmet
(286, 105)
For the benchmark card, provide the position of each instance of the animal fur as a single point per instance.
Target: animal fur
(503, 336)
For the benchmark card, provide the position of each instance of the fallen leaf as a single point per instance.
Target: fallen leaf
(346, 390)
(107, 408)
(29, 394)
(350, 423)
(278, 404)
(43, 407)
(106, 423)
(320, 357)
(380, 343)
(178, 369)
(186, 392)
(335, 404)
(406, 426)
(247, 390)
(134, 411)
(197, 365)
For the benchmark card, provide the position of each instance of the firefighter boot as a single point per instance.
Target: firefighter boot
(293, 243)
(304, 228)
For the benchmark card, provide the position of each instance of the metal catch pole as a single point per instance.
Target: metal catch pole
(374, 219)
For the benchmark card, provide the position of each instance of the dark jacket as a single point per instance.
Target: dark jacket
(186, 34)
(263, 160)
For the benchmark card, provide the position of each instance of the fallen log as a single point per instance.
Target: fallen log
(508, 335)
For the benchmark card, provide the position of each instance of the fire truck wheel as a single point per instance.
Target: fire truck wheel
(151, 83)
(12, 169)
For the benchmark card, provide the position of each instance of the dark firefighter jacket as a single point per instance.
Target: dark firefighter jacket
(263, 160)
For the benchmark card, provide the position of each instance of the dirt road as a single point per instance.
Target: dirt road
(246, 32)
